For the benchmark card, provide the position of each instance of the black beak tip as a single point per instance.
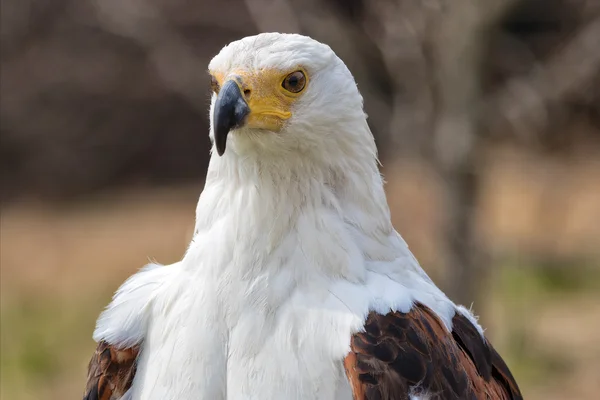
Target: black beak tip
(221, 147)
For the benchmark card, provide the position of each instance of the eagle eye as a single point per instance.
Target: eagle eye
(294, 82)
(214, 84)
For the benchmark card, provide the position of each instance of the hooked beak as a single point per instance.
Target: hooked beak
(230, 112)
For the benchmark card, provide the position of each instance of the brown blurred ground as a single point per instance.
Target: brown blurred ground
(104, 147)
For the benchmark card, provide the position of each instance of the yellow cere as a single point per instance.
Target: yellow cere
(269, 102)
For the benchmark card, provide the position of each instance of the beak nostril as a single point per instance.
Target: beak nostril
(247, 93)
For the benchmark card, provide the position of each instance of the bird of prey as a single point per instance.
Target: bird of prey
(295, 284)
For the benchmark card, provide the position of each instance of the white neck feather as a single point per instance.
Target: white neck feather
(332, 206)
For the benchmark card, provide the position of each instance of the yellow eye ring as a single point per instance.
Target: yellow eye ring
(294, 82)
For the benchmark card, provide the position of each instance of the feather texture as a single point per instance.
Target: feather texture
(110, 372)
(400, 355)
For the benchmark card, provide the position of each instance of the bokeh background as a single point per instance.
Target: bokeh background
(487, 117)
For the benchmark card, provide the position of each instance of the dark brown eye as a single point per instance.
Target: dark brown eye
(294, 82)
(214, 84)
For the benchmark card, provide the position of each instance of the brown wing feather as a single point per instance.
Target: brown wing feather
(410, 353)
(110, 372)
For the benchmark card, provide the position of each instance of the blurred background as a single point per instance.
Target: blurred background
(486, 114)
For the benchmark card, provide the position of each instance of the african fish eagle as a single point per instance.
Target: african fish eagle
(295, 284)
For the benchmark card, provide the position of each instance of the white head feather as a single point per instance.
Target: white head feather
(328, 125)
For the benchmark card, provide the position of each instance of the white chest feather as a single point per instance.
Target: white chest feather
(252, 324)
(273, 336)
(294, 352)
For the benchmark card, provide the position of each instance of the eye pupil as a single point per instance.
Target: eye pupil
(294, 82)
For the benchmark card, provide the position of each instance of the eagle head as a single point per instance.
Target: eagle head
(284, 95)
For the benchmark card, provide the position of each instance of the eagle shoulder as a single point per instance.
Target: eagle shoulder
(408, 355)
(120, 331)
(110, 372)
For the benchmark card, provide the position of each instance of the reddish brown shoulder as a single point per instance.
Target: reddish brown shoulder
(110, 372)
(403, 354)
(486, 359)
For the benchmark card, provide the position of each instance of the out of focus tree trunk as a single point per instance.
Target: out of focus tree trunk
(458, 43)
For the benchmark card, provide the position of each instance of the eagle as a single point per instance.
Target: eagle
(295, 284)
